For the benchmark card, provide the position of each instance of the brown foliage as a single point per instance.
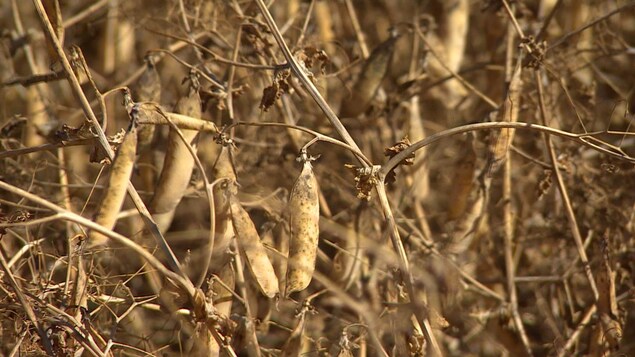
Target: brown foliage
(504, 225)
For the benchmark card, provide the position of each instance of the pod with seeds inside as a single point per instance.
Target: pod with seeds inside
(304, 215)
(178, 163)
(253, 250)
(117, 185)
(369, 80)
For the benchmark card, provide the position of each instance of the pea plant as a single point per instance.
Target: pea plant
(317, 178)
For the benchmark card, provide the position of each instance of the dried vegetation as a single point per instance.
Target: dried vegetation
(317, 178)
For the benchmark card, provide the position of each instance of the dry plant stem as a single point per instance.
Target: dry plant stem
(514, 81)
(508, 219)
(231, 75)
(573, 224)
(454, 74)
(302, 76)
(309, 13)
(417, 132)
(586, 139)
(584, 322)
(62, 214)
(241, 282)
(358, 29)
(25, 304)
(318, 137)
(420, 311)
(76, 51)
(28, 150)
(512, 18)
(337, 124)
(25, 248)
(101, 136)
(547, 20)
(215, 56)
(67, 205)
(28, 50)
(85, 13)
(34, 79)
(190, 67)
(77, 329)
(360, 308)
(590, 24)
(210, 198)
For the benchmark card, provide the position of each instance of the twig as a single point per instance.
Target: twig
(302, 76)
(359, 34)
(454, 74)
(101, 136)
(566, 37)
(583, 139)
(318, 136)
(62, 214)
(508, 216)
(34, 79)
(26, 305)
(575, 230)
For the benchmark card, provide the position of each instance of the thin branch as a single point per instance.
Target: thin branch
(583, 139)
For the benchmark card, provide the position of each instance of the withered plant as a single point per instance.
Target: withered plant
(317, 178)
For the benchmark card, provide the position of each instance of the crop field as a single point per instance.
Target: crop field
(317, 178)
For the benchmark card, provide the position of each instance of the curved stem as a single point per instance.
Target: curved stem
(579, 138)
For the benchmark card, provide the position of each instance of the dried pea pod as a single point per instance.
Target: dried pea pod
(253, 250)
(304, 215)
(117, 185)
(369, 80)
(178, 163)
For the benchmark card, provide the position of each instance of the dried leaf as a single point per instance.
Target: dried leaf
(394, 150)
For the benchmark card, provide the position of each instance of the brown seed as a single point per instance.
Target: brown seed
(304, 215)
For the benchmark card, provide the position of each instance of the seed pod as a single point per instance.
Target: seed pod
(178, 163)
(369, 80)
(148, 90)
(223, 168)
(117, 184)
(253, 250)
(304, 215)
